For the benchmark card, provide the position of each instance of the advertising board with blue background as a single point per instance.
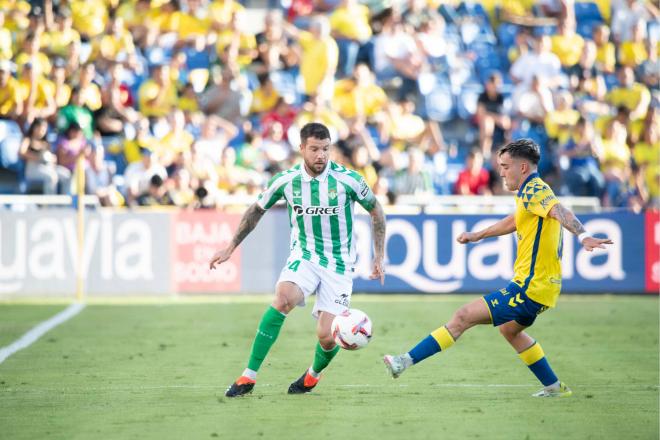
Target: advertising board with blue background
(424, 256)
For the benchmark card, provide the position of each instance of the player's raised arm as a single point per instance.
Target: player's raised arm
(248, 222)
(378, 235)
(568, 220)
(505, 226)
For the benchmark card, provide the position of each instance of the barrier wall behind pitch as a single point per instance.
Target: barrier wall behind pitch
(165, 253)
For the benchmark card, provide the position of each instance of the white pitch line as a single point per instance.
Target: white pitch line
(38, 331)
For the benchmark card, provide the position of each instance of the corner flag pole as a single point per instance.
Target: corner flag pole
(80, 193)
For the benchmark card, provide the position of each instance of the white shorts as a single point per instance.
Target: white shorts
(333, 291)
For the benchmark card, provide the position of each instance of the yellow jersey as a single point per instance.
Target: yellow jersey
(537, 269)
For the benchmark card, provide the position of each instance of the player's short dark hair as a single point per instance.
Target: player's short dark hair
(314, 130)
(523, 148)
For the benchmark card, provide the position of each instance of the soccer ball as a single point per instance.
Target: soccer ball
(352, 329)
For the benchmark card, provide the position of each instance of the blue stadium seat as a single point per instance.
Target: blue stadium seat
(439, 104)
(466, 102)
(586, 28)
(545, 30)
(285, 84)
(611, 81)
(587, 11)
(506, 34)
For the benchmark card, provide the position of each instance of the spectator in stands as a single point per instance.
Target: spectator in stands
(534, 103)
(539, 63)
(649, 70)
(559, 9)
(635, 96)
(490, 115)
(214, 137)
(113, 45)
(627, 13)
(157, 193)
(11, 93)
(605, 51)
(474, 179)
(633, 52)
(615, 165)
(415, 179)
(362, 163)
(567, 44)
(351, 30)
(265, 97)
(98, 179)
(157, 96)
(396, 54)
(39, 95)
(38, 61)
(60, 38)
(181, 192)
(520, 46)
(283, 113)
(586, 67)
(114, 112)
(71, 146)
(275, 52)
(360, 100)
(233, 178)
(62, 92)
(137, 175)
(236, 48)
(40, 163)
(646, 154)
(583, 177)
(318, 62)
(76, 113)
(560, 121)
(6, 41)
(221, 99)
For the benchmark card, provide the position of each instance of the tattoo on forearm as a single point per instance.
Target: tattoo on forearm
(568, 220)
(378, 229)
(248, 222)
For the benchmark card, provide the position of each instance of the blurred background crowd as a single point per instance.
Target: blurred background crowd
(185, 102)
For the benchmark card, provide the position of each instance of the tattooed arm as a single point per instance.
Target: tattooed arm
(378, 236)
(248, 222)
(568, 220)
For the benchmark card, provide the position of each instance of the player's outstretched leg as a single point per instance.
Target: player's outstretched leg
(286, 297)
(440, 339)
(326, 349)
(532, 355)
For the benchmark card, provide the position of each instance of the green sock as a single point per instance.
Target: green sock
(322, 358)
(269, 328)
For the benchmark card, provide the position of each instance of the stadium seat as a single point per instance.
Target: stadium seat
(545, 30)
(285, 84)
(506, 34)
(586, 28)
(439, 104)
(587, 11)
(466, 101)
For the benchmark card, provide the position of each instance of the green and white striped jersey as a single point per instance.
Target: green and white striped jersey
(321, 212)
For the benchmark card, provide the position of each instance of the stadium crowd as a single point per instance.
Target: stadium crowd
(177, 103)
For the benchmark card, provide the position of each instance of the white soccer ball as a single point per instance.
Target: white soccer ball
(352, 329)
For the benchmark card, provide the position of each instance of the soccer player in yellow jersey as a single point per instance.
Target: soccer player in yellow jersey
(538, 222)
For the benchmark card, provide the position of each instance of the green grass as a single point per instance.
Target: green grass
(159, 371)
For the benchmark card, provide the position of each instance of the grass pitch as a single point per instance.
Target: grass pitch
(160, 371)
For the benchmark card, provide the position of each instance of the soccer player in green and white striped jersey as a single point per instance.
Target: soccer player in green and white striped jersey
(320, 197)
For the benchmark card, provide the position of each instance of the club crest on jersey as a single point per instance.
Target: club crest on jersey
(316, 210)
(332, 194)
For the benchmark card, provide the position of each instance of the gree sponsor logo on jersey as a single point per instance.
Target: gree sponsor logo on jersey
(316, 210)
